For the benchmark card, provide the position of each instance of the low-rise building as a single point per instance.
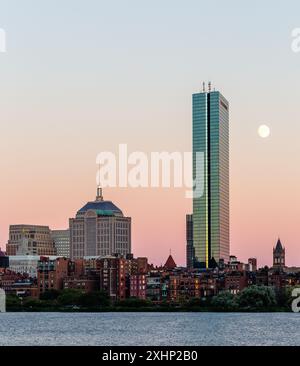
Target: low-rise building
(138, 284)
(84, 283)
(51, 273)
(153, 287)
(26, 264)
(236, 281)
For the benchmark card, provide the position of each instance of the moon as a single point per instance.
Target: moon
(263, 131)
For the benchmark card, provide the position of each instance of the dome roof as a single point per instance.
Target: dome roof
(102, 208)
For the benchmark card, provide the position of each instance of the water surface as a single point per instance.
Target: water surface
(149, 329)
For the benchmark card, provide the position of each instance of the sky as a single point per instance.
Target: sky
(81, 77)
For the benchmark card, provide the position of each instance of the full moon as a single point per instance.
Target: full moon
(263, 131)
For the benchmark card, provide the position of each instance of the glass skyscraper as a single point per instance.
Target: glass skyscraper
(211, 208)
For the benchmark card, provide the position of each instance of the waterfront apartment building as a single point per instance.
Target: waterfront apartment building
(52, 272)
(99, 229)
(61, 239)
(136, 265)
(30, 240)
(138, 284)
(211, 174)
(113, 277)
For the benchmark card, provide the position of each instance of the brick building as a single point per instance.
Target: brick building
(51, 273)
(138, 284)
(113, 277)
(236, 281)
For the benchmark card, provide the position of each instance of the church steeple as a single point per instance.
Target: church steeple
(279, 255)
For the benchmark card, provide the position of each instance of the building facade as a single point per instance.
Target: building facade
(113, 277)
(51, 273)
(211, 174)
(99, 229)
(30, 240)
(26, 264)
(61, 239)
(189, 242)
(4, 260)
(138, 286)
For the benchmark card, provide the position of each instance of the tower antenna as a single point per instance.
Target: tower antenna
(99, 196)
(209, 86)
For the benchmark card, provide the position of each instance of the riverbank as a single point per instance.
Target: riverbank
(255, 299)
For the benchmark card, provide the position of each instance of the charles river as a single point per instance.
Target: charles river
(149, 329)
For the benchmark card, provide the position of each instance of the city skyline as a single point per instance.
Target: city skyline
(60, 107)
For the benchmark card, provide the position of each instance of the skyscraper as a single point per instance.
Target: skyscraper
(211, 208)
(189, 242)
(99, 229)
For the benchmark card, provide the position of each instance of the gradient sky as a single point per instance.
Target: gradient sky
(80, 77)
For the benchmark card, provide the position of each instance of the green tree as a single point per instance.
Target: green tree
(69, 297)
(95, 298)
(31, 303)
(13, 302)
(257, 298)
(50, 295)
(224, 301)
(198, 302)
(134, 302)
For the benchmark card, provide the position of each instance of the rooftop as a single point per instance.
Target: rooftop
(101, 207)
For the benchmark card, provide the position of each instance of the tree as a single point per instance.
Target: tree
(197, 302)
(256, 298)
(95, 298)
(13, 302)
(31, 303)
(224, 301)
(50, 295)
(69, 297)
(134, 302)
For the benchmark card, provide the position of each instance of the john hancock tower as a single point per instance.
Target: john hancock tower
(210, 219)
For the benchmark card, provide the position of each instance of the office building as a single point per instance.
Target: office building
(61, 239)
(211, 174)
(189, 242)
(30, 240)
(99, 229)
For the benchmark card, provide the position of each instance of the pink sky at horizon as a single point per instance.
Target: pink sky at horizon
(106, 75)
